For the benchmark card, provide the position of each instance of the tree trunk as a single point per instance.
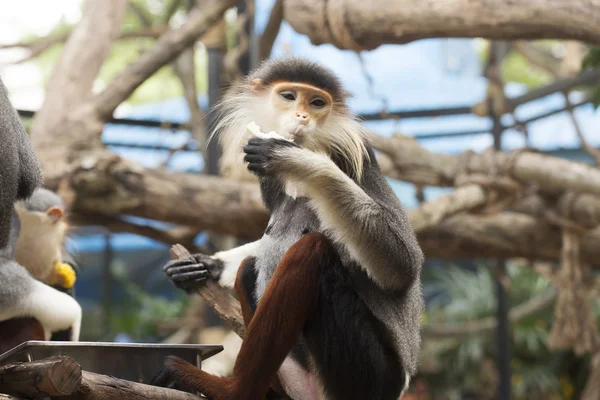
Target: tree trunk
(363, 25)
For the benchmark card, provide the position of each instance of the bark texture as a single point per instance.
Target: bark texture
(363, 25)
(54, 376)
(62, 378)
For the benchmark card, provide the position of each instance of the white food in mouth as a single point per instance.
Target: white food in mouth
(255, 130)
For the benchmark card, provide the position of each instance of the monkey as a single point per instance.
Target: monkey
(21, 295)
(331, 293)
(41, 245)
(20, 170)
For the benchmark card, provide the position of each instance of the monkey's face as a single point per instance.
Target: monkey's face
(41, 238)
(299, 109)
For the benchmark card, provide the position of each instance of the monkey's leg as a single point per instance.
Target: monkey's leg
(352, 350)
(245, 284)
(19, 330)
(282, 313)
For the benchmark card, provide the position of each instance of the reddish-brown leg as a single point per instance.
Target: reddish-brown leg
(273, 329)
(18, 330)
(244, 291)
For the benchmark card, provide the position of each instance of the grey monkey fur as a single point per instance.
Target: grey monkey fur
(331, 183)
(20, 172)
(21, 295)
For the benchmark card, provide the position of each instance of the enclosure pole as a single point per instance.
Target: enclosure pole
(247, 60)
(107, 281)
(215, 62)
(497, 51)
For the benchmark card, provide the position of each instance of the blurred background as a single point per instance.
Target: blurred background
(487, 320)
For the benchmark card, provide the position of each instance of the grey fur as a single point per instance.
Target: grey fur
(23, 296)
(389, 244)
(42, 199)
(15, 281)
(329, 182)
(20, 172)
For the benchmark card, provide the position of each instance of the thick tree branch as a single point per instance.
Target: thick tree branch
(359, 25)
(75, 72)
(109, 185)
(408, 160)
(166, 49)
(271, 30)
(184, 68)
(180, 234)
(38, 46)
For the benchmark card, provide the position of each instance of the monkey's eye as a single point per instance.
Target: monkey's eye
(288, 95)
(318, 103)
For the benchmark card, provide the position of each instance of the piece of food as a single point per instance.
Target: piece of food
(64, 275)
(255, 130)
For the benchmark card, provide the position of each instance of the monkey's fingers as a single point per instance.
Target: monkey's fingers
(178, 263)
(249, 149)
(258, 169)
(254, 158)
(188, 276)
(186, 268)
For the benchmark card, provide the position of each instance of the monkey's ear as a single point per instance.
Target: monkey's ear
(55, 213)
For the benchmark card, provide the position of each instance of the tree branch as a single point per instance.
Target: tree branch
(75, 72)
(110, 185)
(359, 25)
(38, 46)
(180, 234)
(536, 58)
(184, 68)
(467, 328)
(142, 14)
(409, 161)
(271, 30)
(166, 49)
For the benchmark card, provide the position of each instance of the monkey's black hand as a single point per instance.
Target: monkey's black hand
(261, 154)
(191, 273)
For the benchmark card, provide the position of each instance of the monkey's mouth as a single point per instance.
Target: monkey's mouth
(298, 132)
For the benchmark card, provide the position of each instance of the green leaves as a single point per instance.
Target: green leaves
(592, 58)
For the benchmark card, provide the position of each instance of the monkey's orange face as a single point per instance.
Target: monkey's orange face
(300, 109)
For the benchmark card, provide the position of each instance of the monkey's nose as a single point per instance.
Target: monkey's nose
(301, 115)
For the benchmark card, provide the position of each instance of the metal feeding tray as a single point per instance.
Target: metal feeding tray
(138, 362)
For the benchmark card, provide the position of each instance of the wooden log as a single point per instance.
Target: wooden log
(53, 376)
(101, 387)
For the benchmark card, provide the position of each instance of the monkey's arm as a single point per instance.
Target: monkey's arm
(191, 273)
(23, 296)
(377, 236)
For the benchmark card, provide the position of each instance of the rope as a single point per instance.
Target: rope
(337, 26)
(574, 323)
(502, 190)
